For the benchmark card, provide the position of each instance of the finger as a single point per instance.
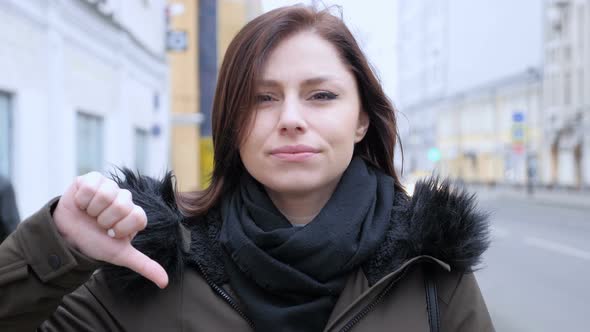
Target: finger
(104, 196)
(145, 266)
(119, 209)
(87, 186)
(132, 223)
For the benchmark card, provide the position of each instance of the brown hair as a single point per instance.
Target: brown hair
(234, 97)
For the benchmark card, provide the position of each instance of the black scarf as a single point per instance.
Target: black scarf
(289, 278)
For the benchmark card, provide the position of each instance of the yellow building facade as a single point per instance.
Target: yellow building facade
(184, 95)
(206, 28)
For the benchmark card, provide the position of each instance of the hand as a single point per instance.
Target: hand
(99, 219)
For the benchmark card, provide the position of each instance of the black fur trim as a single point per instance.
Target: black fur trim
(161, 240)
(439, 220)
(206, 251)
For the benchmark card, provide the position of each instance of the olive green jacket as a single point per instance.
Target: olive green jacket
(45, 285)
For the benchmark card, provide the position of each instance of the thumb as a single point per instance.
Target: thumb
(145, 266)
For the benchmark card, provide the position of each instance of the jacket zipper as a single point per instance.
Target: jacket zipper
(357, 318)
(225, 296)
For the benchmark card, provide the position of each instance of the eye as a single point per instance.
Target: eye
(323, 95)
(264, 98)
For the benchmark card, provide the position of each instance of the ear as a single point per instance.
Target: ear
(362, 126)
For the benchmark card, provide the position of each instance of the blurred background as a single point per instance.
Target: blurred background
(494, 94)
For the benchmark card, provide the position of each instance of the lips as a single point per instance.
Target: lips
(294, 152)
(293, 149)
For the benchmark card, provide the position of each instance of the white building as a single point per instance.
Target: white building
(492, 133)
(422, 47)
(83, 86)
(567, 93)
(448, 47)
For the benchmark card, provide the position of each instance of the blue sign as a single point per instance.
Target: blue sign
(156, 130)
(518, 117)
(176, 40)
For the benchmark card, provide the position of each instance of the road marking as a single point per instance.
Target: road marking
(557, 247)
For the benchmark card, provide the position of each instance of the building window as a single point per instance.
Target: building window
(5, 134)
(89, 139)
(141, 150)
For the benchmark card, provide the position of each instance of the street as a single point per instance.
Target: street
(536, 274)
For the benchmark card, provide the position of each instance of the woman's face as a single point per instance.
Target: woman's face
(307, 120)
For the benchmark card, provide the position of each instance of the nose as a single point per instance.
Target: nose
(292, 121)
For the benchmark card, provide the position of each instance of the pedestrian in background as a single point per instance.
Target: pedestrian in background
(305, 226)
(9, 217)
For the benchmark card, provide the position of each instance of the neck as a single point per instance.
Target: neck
(300, 208)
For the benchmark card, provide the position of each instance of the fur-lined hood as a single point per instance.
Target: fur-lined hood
(439, 220)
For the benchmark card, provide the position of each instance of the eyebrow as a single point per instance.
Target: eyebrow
(307, 82)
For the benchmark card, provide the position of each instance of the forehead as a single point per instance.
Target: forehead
(302, 56)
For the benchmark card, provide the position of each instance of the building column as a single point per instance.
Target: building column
(566, 172)
(549, 159)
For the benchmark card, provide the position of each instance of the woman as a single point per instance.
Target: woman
(305, 226)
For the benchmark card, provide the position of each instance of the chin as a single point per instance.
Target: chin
(298, 183)
(292, 183)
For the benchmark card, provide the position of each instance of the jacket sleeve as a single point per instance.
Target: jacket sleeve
(463, 308)
(41, 281)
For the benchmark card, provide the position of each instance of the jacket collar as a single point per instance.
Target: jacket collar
(358, 293)
(438, 220)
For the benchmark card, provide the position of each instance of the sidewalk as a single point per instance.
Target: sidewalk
(567, 199)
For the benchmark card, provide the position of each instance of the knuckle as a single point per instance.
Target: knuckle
(123, 197)
(120, 208)
(111, 185)
(92, 177)
(124, 228)
(125, 194)
(86, 187)
(104, 221)
(103, 196)
(90, 183)
(120, 232)
(141, 217)
(122, 201)
(118, 226)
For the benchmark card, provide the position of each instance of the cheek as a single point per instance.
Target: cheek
(259, 132)
(339, 129)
